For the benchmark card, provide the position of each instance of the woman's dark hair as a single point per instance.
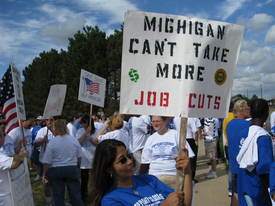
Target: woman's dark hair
(105, 155)
(85, 120)
(259, 109)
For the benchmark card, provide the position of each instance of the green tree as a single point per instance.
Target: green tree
(114, 53)
(88, 49)
(38, 77)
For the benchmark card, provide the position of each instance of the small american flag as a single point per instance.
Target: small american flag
(7, 101)
(91, 86)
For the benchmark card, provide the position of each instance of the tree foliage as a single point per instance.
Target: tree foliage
(88, 49)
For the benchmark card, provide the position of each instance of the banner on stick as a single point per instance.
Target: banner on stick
(55, 101)
(18, 93)
(91, 89)
(177, 65)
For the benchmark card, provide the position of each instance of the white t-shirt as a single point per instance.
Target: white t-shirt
(197, 122)
(8, 147)
(160, 152)
(118, 134)
(139, 133)
(87, 149)
(126, 128)
(16, 136)
(272, 119)
(62, 151)
(40, 135)
(71, 129)
(191, 127)
(98, 126)
(211, 126)
(5, 193)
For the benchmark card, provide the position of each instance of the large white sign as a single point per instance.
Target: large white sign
(18, 93)
(55, 101)
(177, 66)
(20, 186)
(92, 88)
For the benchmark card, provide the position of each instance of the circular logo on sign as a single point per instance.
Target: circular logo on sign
(220, 76)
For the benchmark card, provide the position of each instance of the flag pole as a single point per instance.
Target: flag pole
(91, 113)
(23, 136)
(182, 140)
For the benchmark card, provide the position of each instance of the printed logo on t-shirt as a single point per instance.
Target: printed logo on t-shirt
(241, 142)
(153, 200)
(164, 150)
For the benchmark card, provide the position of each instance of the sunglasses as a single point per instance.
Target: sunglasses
(3, 123)
(124, 158)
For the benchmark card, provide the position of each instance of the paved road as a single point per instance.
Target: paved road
(210, 192)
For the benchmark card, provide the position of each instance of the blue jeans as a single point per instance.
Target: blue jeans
(60, 177)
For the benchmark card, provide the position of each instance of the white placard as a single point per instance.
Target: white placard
(92, 89)
(18, 93)
(177, 66)
(20, 184)
(55, 101)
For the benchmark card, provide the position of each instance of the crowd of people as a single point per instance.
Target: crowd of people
(117, 162)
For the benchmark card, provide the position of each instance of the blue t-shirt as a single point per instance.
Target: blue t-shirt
(272, 178)
(147, 190)
(237, 131)
(34, 132)
(249, 182)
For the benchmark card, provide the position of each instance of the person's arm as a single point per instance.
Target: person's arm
(46, 167)
(18, 159)
(183, 163)
(39, 139)
(104, 129)
(84, 135)
(93, 141)
(174, 199)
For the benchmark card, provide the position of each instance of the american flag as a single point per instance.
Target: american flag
(91, 86)
(7, 101)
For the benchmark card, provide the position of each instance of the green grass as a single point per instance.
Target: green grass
(37, 190)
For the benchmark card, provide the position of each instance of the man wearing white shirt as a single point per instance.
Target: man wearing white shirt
(71, 127)
(210, 134)
(7, 163)
(44, 135)
(97, 123)
(22, 136)
(87, 139)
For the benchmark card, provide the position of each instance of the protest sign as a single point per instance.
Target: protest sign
(91, 89)
(55, 101)
(18, 93)
(20, 186)
(177, 66)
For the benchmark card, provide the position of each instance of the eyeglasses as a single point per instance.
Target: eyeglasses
(123, 159)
